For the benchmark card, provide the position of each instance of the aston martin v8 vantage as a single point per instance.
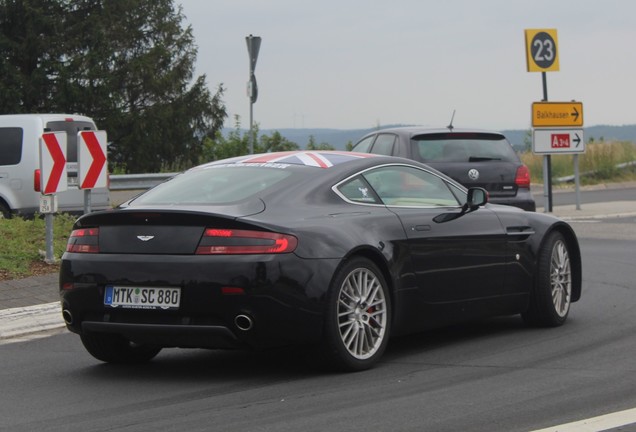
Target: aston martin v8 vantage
(339, 250)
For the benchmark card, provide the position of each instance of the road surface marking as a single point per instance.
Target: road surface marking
(596, 424)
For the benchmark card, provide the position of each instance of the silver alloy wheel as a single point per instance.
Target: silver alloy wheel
(560, 278)
(362, 313)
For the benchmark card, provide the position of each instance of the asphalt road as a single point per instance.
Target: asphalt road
(495, 375)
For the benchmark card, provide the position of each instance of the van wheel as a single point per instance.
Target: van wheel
(5, 213)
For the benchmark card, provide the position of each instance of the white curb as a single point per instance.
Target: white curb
(17, 322)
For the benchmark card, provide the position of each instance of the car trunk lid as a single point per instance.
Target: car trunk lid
(498, 182)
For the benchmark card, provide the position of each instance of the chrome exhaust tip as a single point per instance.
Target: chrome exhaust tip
(244, 322)
(68, 316)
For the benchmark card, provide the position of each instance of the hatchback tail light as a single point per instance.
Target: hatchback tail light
(230, 242)
(522, 179)
(84, 240)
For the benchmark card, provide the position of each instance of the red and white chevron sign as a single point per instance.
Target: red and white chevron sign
(53, 162)
(91, 158)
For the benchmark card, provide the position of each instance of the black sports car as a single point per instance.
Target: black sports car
(337, 249)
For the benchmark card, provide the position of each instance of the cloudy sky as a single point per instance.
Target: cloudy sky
(349, 64)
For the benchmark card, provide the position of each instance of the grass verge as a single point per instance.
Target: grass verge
(23, 245)
(599, 163)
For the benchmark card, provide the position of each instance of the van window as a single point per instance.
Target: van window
(71, 128)
(10, 145)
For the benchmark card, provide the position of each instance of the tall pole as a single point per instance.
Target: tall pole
(547, 160)
(253, 46)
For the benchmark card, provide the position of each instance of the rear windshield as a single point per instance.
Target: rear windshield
(463, 147)
(215, 185)
(71, 128)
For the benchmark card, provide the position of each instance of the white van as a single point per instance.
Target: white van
(20, 163)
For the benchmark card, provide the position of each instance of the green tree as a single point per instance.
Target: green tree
(311, 145)
(129, 64)
(527, 141)
(275, 143)
(31, 45)
(237, 143)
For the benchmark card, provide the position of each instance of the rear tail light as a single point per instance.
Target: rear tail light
(229, 241)
(83, 240)
(37, 180)
(522, 179)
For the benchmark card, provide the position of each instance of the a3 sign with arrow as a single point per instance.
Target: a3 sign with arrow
(550, 141)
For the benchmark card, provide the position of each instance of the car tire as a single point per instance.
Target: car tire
(113, 348)
(5, 213)
(358, 317)
(552, 295)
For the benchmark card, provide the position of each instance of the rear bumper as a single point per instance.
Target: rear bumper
(283, 297)
(204, 336)
(522, 200)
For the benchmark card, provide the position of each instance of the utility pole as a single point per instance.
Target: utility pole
(253, 45)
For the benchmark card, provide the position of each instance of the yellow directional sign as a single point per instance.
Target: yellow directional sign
(557, 114)
(542, 54)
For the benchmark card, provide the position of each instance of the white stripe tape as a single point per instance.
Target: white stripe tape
(596, 424)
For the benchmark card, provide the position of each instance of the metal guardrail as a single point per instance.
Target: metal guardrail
(570, 178)
(137, 181)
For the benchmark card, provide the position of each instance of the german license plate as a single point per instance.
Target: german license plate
(142, 297)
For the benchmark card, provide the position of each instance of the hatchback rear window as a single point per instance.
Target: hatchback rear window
(463, 147)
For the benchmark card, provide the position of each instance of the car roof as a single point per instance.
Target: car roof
(318, 159)
(421, 130)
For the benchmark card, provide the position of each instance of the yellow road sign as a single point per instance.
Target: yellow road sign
(557, 114)
(542, 54)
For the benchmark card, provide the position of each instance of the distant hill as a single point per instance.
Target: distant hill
(339, 138)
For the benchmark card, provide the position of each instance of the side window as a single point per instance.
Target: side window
(364, 145)
(383, 145)
(357, 190)
(459, 194)
(10, 145)
(400, 185)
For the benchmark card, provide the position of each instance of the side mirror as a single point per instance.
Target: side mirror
(477, 197)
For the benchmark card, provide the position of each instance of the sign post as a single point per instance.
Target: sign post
(91, 157)
(53, 179)
(542, 55)
(253, 46)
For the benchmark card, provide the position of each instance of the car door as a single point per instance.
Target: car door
(460, 260)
